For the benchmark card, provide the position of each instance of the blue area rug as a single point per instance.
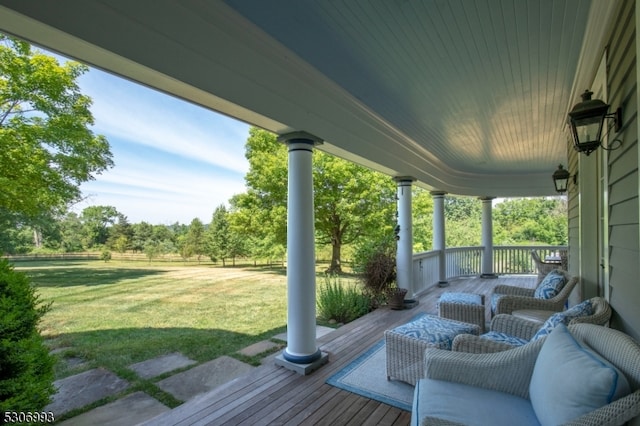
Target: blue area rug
(367, 376)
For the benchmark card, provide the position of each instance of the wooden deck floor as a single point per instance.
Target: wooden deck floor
(272, 395)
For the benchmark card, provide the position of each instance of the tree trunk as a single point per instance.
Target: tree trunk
(37, 238)
(336, 247)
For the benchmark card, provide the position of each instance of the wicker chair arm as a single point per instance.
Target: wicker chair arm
(601, 316)
(514, 326)
(477, 345)
(513, 290)
(508, 371)
(617, 413)
(507, 304)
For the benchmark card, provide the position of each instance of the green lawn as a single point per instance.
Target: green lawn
(114, 314)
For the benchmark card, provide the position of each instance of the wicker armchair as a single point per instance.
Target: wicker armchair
(511, 372)
(524, 329)
(543, 267)
(515, 298)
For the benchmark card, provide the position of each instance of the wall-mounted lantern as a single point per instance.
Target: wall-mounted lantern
(587, 119)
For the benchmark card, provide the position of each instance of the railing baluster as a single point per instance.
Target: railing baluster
(467, 261)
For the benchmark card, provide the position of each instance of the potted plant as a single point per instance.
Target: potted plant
(379, 277)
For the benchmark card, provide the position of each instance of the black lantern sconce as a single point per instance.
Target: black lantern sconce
(587, 119)
(561, 179)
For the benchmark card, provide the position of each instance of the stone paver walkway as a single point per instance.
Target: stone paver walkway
(90, 386)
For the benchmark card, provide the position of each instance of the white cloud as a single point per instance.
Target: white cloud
(173, 161)
(142, 116)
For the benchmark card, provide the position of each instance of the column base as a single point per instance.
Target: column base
(302, 369)
(443, 284)
(410, 303)
(489, 276)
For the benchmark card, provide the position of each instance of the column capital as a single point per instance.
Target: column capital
(299, 137)
(437, 193)
(486, 198)
(404, 179)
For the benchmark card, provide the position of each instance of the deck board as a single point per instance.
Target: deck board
(271, 395)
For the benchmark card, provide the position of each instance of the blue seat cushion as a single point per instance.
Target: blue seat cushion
(469, 405)
(461, 298)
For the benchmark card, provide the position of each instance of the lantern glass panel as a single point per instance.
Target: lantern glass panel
(588, 129)
(561, 184)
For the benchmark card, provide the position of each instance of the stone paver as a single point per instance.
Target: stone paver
(163, 364)
(83, 389)
(203, 378)
(258, 348)
(90, 386)
(130, 410)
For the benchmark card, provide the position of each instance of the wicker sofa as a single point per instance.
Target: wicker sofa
(555, 380)
(526, 330)
(507, 298)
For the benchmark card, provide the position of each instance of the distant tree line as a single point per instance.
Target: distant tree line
(354, 206)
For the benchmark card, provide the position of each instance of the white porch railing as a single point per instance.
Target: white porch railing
(467, 261)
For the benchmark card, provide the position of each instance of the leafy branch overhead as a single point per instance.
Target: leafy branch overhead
(47, 147)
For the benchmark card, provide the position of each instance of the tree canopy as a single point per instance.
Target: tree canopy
(47, 147)
(351, 201)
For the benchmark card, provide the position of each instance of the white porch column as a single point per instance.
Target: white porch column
(487, 238)
(301, 353)
(439, 235)
(404, 246)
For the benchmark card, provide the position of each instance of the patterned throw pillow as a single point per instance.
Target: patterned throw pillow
(580, 310)
(550, 285)
(504, 338)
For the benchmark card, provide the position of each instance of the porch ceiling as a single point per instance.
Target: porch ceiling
(469, 97)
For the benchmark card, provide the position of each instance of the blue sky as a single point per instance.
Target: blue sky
(174, 161)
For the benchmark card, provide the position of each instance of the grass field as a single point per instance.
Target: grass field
(114, 314)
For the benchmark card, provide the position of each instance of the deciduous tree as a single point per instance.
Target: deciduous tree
(351, 201)
(47, 147)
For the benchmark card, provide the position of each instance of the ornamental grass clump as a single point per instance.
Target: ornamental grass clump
(26, 368)
(341, 302)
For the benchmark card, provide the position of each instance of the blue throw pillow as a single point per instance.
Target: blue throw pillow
(582, 309)
(551, 285)
(570, 380)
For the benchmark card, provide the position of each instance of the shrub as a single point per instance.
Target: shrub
(341, 302)
(26, 368)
